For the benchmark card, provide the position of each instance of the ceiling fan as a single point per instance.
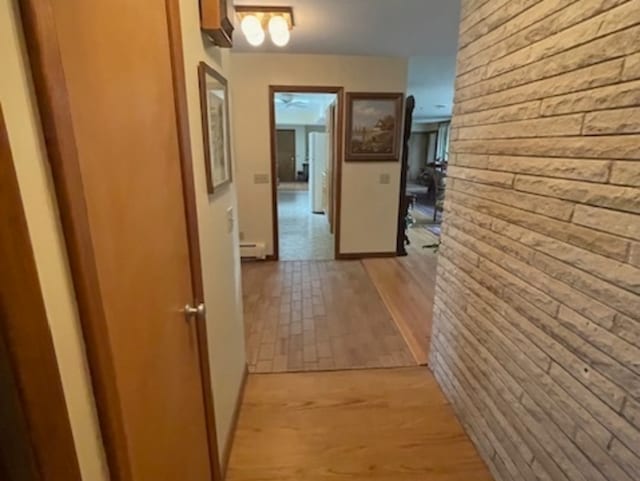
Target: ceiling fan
(288, 101)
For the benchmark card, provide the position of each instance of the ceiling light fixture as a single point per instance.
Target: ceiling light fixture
(255, 21)
(252, 29)
(279, 31)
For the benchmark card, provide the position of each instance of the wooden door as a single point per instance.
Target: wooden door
(286, 150)
(107, 95)
(36, 443)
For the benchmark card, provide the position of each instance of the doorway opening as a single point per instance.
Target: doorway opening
(426, 175)
(305, 145)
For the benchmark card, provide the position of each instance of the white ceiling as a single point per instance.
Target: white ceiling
(424, 30)
(302, 108)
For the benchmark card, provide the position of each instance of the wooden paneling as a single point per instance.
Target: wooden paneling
(44, 434)
(378, 425)
(191, 214)
(114, 139)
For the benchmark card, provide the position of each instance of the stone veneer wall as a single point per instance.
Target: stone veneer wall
(537, 318)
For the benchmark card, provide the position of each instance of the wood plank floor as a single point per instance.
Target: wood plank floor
(317, 315)
(407, 287)
(377, 425)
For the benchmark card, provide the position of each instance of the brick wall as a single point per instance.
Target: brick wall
(537, 313)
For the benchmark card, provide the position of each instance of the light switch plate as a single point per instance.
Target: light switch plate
(230, 220)
(385, 179)
(260, 178)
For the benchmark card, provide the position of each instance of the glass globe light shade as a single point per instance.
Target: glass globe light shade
(256, 39)
(250, 26)
(279, 31)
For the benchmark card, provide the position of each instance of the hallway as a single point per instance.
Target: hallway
(303, 234)
(378, 425)
(317, 315)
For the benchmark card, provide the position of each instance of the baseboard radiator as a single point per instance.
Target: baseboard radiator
(253, 250)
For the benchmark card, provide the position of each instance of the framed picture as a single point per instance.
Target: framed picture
(374, 121)
(214, 104)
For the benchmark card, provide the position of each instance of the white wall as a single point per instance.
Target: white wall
(427, 126)
(369, 209)
(41, 210)
(296, 116)
(219, 245)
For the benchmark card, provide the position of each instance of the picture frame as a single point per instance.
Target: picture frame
(374, 126)
(214, 106)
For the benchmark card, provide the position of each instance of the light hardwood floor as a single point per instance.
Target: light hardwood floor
(317, 315)
(407, 287)
(377, 425)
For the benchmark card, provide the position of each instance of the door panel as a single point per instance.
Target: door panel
(116, 59)
(286, 150)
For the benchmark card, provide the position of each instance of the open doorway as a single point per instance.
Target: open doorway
(426, 175)
(305, 143)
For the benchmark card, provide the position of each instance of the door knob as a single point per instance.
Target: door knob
(198, 312)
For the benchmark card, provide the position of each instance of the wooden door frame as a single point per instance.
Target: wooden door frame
(294, 149)
(339, 93)
(53, 101)
(29, 345)
(333, 120)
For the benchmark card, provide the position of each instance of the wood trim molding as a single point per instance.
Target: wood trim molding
(266, 9)
(340, 113)
(53, 101)
(274, 174)
(339, 92)
(234, 421)
(365, 255)
(215, 22)
(29, 345)
(191, 214)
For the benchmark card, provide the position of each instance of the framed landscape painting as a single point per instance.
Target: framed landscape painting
(214, 105)
(373, 126)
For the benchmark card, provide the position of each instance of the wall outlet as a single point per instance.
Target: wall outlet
(230, 220)
(260, 178)
(385, 179)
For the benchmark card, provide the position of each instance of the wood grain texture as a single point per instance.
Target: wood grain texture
(191, 215)
(379, 425)
(121, 199)
(52, 94)
(407, 287)
(27, 347)
(319, 315)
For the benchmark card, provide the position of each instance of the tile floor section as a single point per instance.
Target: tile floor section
(322, 315)
(303, 234)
